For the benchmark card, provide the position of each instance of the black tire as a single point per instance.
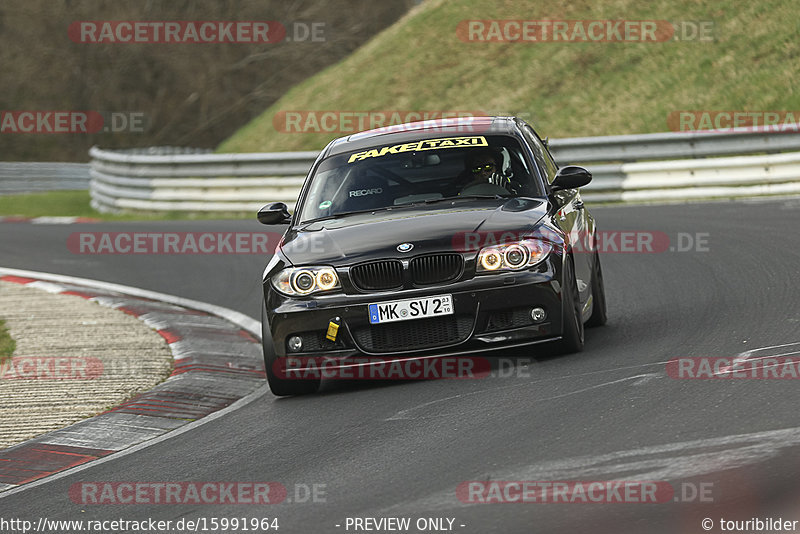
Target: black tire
(282, 387)
(572, 318)
(599, 315)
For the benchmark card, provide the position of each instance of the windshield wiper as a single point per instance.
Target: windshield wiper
(345, 213)
(457, 197)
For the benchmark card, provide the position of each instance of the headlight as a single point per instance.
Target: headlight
(294, 281)
(513, 256)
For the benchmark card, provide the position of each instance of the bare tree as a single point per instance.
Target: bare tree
(194, 94)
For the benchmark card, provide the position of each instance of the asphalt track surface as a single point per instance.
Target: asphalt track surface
(402, 449)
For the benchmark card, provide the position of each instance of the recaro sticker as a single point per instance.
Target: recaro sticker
(425, 144)
(362, 192)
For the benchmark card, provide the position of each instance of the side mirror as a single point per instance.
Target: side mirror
(276, 213)
(570, 177)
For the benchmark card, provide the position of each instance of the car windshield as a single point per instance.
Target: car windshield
(392, 176)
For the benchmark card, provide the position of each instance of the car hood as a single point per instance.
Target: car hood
(429, 228)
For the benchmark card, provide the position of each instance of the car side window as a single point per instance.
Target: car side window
(540, 153)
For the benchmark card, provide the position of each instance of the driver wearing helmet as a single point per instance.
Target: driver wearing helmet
(483, 166)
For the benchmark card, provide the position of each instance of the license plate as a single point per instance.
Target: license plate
(405, 310)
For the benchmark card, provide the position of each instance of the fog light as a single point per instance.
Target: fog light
(538, 315)
(295, 343)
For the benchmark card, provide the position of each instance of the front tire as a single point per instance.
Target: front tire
(572, 318)
(599, 315)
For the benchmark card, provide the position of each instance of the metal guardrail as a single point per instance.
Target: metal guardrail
(675, 145)
(204, 182)
(245, 182)
(26, 177)
(31, 177)
(739, 176)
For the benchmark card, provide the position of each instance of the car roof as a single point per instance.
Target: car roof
(412, 131)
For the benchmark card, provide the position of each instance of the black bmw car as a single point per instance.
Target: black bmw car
(438, 238)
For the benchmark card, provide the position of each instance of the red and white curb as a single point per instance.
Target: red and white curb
(218, 368)
(47, 220)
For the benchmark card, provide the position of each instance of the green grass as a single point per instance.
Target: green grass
(564, 89)
(7, 344)
(76, 204)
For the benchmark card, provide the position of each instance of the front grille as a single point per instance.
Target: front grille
(377, 275)
(507, 319)
(436, 268)
(414, 335)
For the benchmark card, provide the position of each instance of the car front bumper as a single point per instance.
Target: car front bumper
(489, 312)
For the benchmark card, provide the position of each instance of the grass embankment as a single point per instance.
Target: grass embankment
(76, 204)
(7, 344)
(565, 89)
